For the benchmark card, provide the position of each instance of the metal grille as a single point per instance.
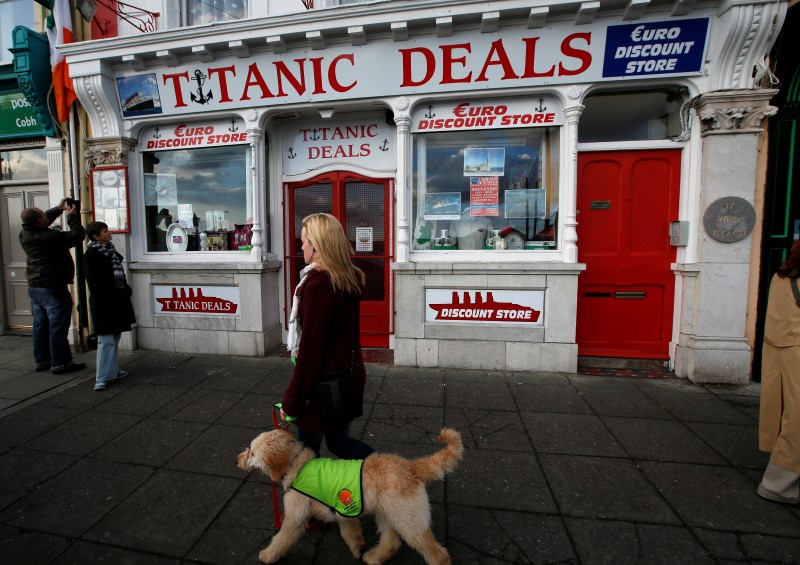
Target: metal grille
(364, 207)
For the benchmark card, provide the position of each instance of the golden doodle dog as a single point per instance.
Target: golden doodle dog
(392, 489)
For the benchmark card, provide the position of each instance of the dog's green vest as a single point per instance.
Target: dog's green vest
(336, 483)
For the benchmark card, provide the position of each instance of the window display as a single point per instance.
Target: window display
(206, 192)
(488, 189)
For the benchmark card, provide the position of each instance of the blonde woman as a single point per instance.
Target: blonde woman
(324, 336)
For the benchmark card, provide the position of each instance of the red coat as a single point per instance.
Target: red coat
(330, 331)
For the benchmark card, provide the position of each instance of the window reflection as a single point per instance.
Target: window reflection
(206, 191)
(23, 164)
(200, 12)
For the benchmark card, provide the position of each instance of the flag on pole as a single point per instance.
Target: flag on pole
(61, 34)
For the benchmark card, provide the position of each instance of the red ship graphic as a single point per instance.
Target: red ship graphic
(195, 302)
(481, 310)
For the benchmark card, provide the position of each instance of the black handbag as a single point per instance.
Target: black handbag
(336, 398)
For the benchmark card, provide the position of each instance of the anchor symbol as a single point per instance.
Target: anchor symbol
(314, 136)
(541, 107)
(201, 98)
(292, 154)
(233, 126)
(385, 146)
(157, 134)
(430, 113)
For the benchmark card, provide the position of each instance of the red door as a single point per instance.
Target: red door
(626, 200)
(364, 207)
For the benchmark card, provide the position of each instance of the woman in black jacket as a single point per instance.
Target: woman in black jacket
(109, 301)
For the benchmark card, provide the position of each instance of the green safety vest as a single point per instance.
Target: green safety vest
(336, 483)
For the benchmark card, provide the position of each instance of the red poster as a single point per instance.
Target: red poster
(483, 196)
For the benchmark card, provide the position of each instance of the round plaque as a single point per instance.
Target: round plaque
(729, 219)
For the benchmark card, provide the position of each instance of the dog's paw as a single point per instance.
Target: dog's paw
(372, 557)
(268, 556)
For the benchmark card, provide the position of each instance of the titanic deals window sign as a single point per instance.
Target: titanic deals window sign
(519, 307)
(196, 300)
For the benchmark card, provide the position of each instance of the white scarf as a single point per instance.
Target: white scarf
(293, 340)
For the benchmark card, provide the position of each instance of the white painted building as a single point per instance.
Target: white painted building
(522, 183)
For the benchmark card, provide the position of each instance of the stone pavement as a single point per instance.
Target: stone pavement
(558, 468)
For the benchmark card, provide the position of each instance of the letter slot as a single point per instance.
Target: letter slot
(630, 294)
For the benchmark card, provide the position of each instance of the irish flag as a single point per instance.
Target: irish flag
(60, 34)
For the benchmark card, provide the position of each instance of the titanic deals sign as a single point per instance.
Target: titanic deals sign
(196, 300)
(519, 307)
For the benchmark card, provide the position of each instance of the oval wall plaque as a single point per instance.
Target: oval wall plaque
(729, 219)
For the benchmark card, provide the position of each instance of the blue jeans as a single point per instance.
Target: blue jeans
(107, 355)
(338, 441)
(52, 313)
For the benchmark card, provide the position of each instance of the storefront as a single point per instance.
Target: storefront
(521, 186)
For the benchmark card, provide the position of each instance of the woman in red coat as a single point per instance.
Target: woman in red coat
(324, 335)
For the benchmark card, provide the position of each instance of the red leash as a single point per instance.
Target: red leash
(279, 425)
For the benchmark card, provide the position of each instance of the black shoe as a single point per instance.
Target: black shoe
(42, 367)
(68, 368)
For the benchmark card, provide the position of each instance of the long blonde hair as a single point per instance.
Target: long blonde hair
(334, 252)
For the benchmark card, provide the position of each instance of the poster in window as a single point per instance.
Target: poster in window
(484, 196)
(110, 198)
(364, 239)
(442, 205)
(530, 203)
(161, 190)
(484, 161)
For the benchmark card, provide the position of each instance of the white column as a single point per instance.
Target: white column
(254, 135)
(568, 198)
(402, 185)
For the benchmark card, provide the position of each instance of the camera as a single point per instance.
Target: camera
(72, 202)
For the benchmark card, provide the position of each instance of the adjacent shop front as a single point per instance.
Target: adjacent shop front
(509, 192)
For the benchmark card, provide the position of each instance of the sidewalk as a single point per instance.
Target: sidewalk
(558, 468)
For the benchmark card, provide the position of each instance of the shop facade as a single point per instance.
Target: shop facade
(521, 186)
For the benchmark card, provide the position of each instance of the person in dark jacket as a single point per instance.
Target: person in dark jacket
(50, 270)
(109, 301)
(324, 335)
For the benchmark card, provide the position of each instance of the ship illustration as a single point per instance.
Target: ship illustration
(186, 302)
(481, 309)
(138, 102)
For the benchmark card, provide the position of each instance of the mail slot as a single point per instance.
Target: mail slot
(600, 205)
(630, 294)
(597, 294)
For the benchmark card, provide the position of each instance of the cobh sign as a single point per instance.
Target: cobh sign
(17, 118)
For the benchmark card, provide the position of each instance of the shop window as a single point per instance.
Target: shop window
(206, 193)
(23, 164)
(493, 189)
(198, 12)
(13, 13)
(632, 116)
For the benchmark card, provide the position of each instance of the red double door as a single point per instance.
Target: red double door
(364, 206)
(626, 201)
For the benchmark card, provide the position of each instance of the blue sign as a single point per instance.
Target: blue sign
(655, 48)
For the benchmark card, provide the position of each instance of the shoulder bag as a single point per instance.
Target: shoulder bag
(336, 398)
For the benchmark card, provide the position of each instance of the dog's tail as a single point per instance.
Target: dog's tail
(437, 465)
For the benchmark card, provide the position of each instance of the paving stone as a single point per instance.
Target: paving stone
(772, 549)
(251, 508)
(200, 405)
(723, 545)
(230, 544)
(234, 379)
(660, 440)
(166, 515)
(143, 399)
(214, 452)
(251, 411)
(424, 374)
(507, 537)
(699, 407)
(718, 498)
(150, 442)
(489, 429)
(571, 433)
(405, 424)
(73, 501)
(84, 433)
(274, 383)
(82, 553)
(500, 480)
(22, 387)
(562, 399)
(403, 390)
(157, 359)
(183, 377)
(603, 488)
(82, 396)
(485, 394)
(19, 546)
(22, 470)
(618, 398)
(737, 444)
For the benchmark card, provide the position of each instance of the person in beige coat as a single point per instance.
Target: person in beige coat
(779, 418)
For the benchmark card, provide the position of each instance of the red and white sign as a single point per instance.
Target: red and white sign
(487, 114)
(196, 300)
(484, 196)
(206, 133)
(369, 143)
(523, 307)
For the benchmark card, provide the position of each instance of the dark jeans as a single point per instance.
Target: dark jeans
(52, 313)
(338, 442)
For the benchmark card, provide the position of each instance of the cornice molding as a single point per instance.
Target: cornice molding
(108, 151)
(733, 111)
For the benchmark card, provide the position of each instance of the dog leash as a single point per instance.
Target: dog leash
(279, 425)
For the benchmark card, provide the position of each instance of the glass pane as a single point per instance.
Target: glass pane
(207, 11)
(364, 202)
(375, 270)
(23, 164)
(12, 14)
(208, 191)
(308, 200)
(469, 185)
(632, 116)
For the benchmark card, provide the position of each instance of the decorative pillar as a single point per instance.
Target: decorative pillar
(254, 135)
(568, 199)
(712, 346)
(402, 188)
